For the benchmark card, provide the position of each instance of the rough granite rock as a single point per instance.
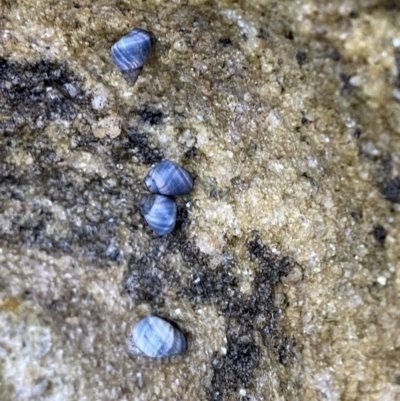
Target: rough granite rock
(284, 267)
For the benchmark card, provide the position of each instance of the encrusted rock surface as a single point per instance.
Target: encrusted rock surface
(284, 268)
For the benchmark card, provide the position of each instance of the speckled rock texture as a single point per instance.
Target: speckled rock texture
(284, 267)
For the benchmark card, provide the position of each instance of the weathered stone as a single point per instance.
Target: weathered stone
(283, 267)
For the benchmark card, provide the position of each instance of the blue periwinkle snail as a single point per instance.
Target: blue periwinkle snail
(155, 337)
(159, 211)
(167, 178)
(131, 52)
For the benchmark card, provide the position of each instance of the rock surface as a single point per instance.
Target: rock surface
(283, 270)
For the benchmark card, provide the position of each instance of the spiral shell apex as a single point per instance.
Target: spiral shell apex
(131, 52)
(167, 178)
(156, 338)
(159, 211)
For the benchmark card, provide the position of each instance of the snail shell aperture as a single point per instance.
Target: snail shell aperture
(159, 211)
(167, 178)
(131, 52)
(156, 338)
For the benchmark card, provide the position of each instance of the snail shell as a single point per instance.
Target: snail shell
(130, 53)
(167, 178)
(156, 337)
(159, 211)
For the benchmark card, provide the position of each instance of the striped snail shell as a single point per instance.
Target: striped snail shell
(167, 178)
(159, 211)
(156, 337)
(130, 53)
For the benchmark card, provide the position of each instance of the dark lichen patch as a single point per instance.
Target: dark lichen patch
(347, 86)
(379, 234)
(151, 117)
(225, 42)
(34, 94)
(390, 189)
(383, 176)
(150, 277)
(301, 57)
(285, 350)
(263, 33)
(357, 215)
(357, 132)
(142, 283)
(191, 255)
(182, 218)
(58, 208)
(246, 315)
(216, 284)
(234, 370)
(385, 167)
(31, 96)
(191, 153)
(136, 147)
(334, 54)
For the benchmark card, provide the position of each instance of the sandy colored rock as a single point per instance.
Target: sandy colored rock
(110, 126)
(283, 270)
